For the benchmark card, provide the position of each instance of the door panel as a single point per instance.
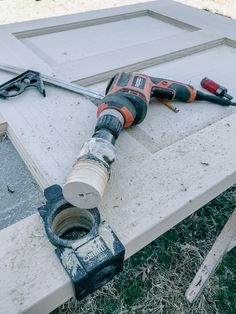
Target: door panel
(102, 37)
(162, 127)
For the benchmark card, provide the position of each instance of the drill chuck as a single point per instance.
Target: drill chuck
(110, 123)
(131, 106)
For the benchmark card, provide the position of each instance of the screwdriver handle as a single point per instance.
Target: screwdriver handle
(215, 88)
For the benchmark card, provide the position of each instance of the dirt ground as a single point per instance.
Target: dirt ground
(22, 10)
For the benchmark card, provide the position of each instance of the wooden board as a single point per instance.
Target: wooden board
(3, 125)
(166, 168)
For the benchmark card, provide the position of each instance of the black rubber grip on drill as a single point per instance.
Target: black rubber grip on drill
(120, 100)
(110, 123)
(122, 82)
(110, 84)
(215, 99)
(182, 93)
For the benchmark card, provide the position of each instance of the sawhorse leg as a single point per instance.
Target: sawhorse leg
(223, 244)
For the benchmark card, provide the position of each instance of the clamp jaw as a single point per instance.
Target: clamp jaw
(88, 249)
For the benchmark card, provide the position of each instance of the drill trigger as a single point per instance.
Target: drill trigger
(164, 93)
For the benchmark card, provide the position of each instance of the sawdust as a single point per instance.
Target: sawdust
(70, 261)
(107, 235)
(29, 250)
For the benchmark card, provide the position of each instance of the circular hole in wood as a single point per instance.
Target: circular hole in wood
(73, 223)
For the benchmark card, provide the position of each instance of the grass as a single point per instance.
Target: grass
(155, 279)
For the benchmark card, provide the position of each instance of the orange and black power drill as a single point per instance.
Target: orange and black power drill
(130, 93)
(125, 104)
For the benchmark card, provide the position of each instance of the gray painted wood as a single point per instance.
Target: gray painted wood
(160, 176)
(19, 193)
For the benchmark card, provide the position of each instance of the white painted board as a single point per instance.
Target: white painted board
(166, 168)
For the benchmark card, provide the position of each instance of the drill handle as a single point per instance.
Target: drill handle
(172, 90)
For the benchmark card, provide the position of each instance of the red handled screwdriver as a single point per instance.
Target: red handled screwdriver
(215, 88)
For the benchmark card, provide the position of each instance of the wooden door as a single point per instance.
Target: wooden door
(160, 175)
